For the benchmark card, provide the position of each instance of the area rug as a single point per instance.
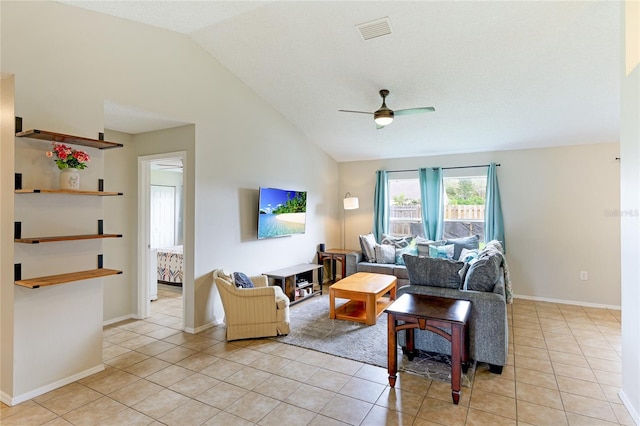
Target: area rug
(312, 328)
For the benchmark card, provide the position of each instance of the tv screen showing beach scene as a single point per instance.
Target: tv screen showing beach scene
(282, 212)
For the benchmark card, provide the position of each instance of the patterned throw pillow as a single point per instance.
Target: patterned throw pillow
(433, 272)
(441, 252)
(242, 280)
(385, 253)
(368, 246)
(397, 242)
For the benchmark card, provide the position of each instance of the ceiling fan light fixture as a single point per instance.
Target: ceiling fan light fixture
(383, 117)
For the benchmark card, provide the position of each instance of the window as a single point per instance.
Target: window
(405, 212)
(464, 205)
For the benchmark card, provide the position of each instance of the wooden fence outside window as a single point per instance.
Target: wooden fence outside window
(406, 220)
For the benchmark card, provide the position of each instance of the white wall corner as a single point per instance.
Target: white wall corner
(632, 412)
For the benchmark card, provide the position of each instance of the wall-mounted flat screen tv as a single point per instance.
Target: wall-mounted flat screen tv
(281, 212)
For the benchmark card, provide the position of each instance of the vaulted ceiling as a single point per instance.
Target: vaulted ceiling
(501, 74)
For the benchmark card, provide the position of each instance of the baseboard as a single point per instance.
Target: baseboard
(115, 320)
(568, 302)
(632, 412)
(48, 388)
(202, 327)
(5, 398)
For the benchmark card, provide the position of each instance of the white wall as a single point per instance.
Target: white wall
(47, 319)
(120, 174)
(169, 141)
(67, 62)
(630, 203)
(560, 209)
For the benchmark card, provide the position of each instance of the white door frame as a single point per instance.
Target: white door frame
(144, 233)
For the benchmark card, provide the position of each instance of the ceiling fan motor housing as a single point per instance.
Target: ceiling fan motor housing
(382, 113)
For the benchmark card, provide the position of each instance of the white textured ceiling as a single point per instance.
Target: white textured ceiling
(501, 74)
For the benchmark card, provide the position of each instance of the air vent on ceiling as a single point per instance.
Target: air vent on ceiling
(373, 29)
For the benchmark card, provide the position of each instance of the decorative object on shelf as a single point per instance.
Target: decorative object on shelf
(68, 157)
(68, 160)
(69, 179)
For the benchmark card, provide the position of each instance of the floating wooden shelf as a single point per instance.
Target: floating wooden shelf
(67, 278)
(37, 240)
(60, 137)
(64, 191)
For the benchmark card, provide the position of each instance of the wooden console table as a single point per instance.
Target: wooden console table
(434, 314)
(295, 279)
(332, 255)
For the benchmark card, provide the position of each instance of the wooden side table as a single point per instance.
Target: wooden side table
(332, 255)
(433, 314)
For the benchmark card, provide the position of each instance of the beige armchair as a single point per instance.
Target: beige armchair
(252, 312)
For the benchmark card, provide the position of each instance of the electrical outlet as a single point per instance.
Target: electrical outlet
(584, 275)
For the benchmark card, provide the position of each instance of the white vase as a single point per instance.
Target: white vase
(69, 179)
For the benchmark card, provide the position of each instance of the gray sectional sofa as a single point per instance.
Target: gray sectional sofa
(483, 285)
(356, 263)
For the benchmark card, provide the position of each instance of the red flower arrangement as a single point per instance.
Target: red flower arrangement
(68, 158)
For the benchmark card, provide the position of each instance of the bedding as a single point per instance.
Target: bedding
(170, 265)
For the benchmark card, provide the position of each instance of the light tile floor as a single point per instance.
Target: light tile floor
(564, 369)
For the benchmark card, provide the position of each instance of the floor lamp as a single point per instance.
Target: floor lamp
(349, 203)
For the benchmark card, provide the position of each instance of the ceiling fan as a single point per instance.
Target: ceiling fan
(384, 116)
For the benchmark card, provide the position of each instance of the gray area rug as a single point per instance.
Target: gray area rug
(312, 328)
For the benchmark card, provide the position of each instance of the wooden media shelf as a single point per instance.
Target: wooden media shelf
(46, 135)
(63, 191)
(38, 240)
(66, 278)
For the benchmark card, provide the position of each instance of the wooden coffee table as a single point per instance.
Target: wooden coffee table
(435, 314)
(365, 292)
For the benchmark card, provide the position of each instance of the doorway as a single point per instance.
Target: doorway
(161, 230)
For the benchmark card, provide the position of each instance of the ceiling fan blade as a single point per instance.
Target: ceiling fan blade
(378, 127)
(359, 112)
(413, 110)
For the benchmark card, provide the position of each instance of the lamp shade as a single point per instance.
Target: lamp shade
(350, 203)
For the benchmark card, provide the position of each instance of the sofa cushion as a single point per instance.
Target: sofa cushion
(433, 272)
(242, 280)
(411, 250)
(385, 253)
(368, 244)
(400, 271)
(492, 245)
(423, 248)
(471, 242)
(483, 274)
(376, 268)
(463, 271)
